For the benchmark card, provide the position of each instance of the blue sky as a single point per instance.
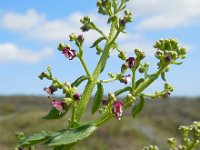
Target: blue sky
(30, 31)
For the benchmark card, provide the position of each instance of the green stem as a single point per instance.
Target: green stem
(148, 81)
(100, 66)
(105, 117)
(101, 32)
(133, 79)
(85, 66)
(73, 115)
(108, 80)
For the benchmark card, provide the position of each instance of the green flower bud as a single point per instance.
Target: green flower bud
(159, 54)
(44, 75)
(72, 37)
(123, 68)
(61, 46)
(140, 55)
(174, 44)
(146, 64)
(183, 51)
(122, 55)
(142, 69)
(111, 97)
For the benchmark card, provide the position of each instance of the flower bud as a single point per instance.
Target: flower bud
(72, 37)
(80, 38)
(122, 22)
(43, 75)
(111, 97)
(61, 46)
(85, 28)
(122, 55)
(146, 64)
(50, 90)
(183, 51)
(125, 79)
(168, 58)
(140, 55)
(76, 96)
(142, 69)
(123, 68)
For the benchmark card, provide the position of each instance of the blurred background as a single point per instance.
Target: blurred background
(29, 34)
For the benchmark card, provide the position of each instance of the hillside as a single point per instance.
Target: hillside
(158, 121)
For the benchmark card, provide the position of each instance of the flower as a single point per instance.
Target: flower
(125, 79)
(76, 96)
(59, 105)
(130, 62)
(69, 53)
(50, 90)
(122, 21)
(117, 109)
(168, 58)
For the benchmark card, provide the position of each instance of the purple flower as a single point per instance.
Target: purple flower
(122, 21)
(130, 62)
(117, 109)
(76, 96)
(168, 58)
(50, 90)
(69, 53)
(59, 105)
(126, 79)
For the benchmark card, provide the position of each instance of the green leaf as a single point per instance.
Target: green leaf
(97, 98)
(176, 63)
(55, 114)
(34, 139)
(120, 91)
(141, 80)
(138, 107)
(72, 136)
(163, 76)
(79, 80)
(97, 42)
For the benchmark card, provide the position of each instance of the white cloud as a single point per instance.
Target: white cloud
(21, 22)
(34, 25)
(10, 52)
(160, 14)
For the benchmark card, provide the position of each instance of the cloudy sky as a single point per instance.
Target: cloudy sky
(30, 31)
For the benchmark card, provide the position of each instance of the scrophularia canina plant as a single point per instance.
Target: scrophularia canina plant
(167, 53)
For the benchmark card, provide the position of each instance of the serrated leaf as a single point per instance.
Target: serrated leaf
(138, 107)
(176, 63)
(141, 80)
(34, 139)
(97, 42)
(55, 114)
(97, 98)
(79, 80)
(163, 76)
(72, 136)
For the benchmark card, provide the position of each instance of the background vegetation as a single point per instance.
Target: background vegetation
(159, 120)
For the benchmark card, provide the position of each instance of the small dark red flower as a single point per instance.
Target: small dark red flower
(59, 105)
(50, 90)
(117, 109)
(130, 62)
(126, 79)
(76, 96)
(69, 53)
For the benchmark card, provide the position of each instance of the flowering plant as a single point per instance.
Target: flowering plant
(168, 52)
